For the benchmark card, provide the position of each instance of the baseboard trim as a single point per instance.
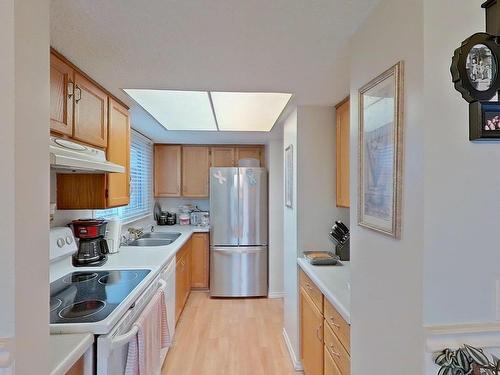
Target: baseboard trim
(276, 295)
(297, 365)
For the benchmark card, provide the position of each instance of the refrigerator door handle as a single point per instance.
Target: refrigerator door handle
(238, 251)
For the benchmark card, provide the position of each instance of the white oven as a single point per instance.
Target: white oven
(112, 348)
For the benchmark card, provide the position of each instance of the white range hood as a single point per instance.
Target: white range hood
(74, 157)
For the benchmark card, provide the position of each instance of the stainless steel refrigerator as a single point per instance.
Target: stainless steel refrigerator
(238, 234)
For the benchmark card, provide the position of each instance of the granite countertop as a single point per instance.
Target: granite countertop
(334, 282)
(66, 350)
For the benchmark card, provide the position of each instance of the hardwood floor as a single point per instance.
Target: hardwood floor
(229, 337)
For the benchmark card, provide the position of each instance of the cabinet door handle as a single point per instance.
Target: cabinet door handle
(79, 96)
(332, 320)
(71, 89)
(333, 352)
(318, 335)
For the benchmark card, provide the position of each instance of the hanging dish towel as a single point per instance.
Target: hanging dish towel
(144, 351)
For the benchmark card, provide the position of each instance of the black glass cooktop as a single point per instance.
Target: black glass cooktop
(90, 296)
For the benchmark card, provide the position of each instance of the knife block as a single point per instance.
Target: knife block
(344, 251)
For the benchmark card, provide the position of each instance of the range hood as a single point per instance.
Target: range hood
(66, 155)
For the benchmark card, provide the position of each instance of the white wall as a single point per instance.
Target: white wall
(386, 306)
(31, 179)
(316, 184)
(290, 250)
(462, 181)
(274, 152)
(311, 131)
(7, 187)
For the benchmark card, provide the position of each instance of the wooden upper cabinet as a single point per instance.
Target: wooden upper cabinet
(118, 152)
(62, 86)
(91, 113)
(167, 170)
(256, 152)
(311, 327)
(342, 153)
(199, 260)
(222, 157)
(195, 168)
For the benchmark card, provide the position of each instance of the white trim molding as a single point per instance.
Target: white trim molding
(481, 335)
(276, 294)
(297, 364)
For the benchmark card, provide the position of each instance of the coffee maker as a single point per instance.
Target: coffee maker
(92, 246)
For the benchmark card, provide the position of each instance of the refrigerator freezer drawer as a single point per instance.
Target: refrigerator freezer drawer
(238, 271)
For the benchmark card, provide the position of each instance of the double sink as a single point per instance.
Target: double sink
(155, 239)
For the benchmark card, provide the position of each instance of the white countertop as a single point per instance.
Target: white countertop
(334, 282)
(154, 258)
(65, 350)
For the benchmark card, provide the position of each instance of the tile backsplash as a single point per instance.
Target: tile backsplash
(173, 204)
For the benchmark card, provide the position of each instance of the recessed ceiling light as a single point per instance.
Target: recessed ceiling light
(177, 110)
(248, 111)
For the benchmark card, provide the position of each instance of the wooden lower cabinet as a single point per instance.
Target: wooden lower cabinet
(182, 278)
(311, 328)
(199, 261)
(330, 366)
(325, 335)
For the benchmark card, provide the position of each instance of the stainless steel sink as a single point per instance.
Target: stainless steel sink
(150, 242)
(167, 235)
(155, 239)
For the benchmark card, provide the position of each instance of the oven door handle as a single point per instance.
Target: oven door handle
(127, 337)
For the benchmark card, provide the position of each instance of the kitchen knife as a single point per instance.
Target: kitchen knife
(337, 236)
(344, 233)
(342, 226)
(338, 232)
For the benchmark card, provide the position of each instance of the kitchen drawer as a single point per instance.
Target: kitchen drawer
(337, 351)
(311, 289)
(330, 367)
(338, 325)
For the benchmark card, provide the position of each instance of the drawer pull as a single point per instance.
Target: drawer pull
(333, 352)
(332, 320)
(318, 335)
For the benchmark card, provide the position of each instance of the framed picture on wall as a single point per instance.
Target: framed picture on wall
(381, 152)
(484, 121)
(289, 176)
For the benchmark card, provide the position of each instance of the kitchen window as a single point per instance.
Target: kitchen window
(141, 175)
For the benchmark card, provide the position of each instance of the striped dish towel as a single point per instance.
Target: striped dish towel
(144, 351)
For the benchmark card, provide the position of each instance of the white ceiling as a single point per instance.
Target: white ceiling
(296, 46)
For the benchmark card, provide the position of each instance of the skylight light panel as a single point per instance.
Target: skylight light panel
(177, 110)
(248, 111)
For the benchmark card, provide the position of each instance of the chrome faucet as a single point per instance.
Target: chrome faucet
(136, 233)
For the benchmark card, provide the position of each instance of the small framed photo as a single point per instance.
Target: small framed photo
(289, 176)
(484, 121)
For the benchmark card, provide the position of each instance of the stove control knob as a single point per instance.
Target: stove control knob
(69, 240)
(60, 242)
